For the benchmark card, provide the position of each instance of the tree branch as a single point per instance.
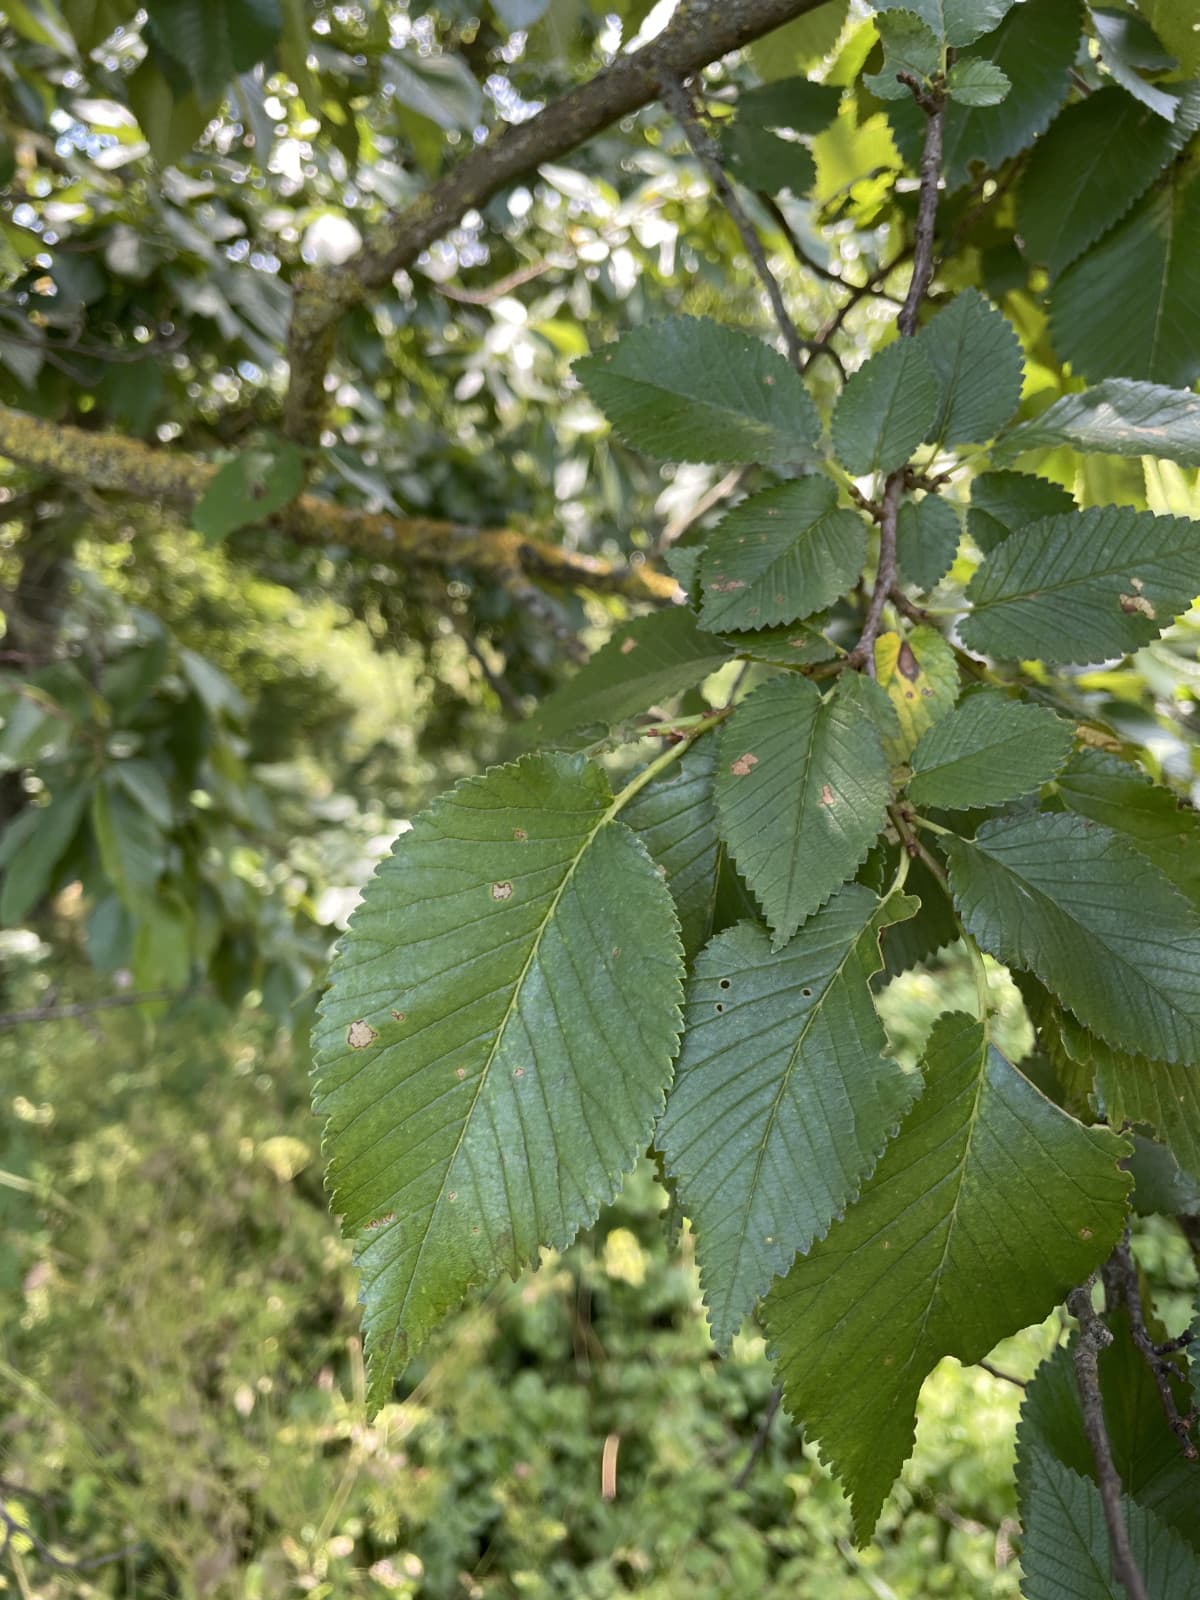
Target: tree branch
(709, 157)
(1125, 1275)
(1092, 1337)
(700, 31)
(127, 466)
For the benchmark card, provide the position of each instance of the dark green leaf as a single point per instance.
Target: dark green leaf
(885, 410)
(249, 489)
(1002, 502)
(802, 787)
(33, 846)
(955, 22)
(1117, 418)
(780, 556)
(1149, 265)
(1127, 48)
(1156, 1094)
(645, 662)
(976, 358)
(986, 751)
(909, 47)
(213, 41)
(676, 819)
(1113, 149)
(484, 1086)
(1100, 926)
(687, 389)
(799, 645)
(132, 849)
(440, 88)
(1083, 587)
(927, 535)
(762, 160)
(783, 1096)
(794, 103)
(1163, 827)
(943, 1254)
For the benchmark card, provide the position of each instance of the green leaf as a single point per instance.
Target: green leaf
(132, 850)
(783, 1096)
(1163, 827)
(484, 1082)
(1100, 926)
(1083, 587)
(145, 783)
(763, 161)
(954, 22)
(1035, 48)
(1175, 26)
(1113, 149)
(1127, 47)
(687, 389)
(920, 677)
(802, 791)
(927, 535)
(1156, 1094)
(800, 644)
(249, 489)
(1117, 418)
(676, 819)
(909, 47)
(1149, 265)
(780, 556)
(798, 104)
(519, 15)
(910, 943)
(802, 43)
(885, 410)
(41, 22)
(645, 662)
(976, 358)
(1001, 502)
(977, 83)
(986, 751)
(944, 1254)
(1066, 1556)
(32, 847)
(212, 41)
(440, 88)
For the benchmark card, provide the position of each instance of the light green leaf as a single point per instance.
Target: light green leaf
(1149, 265)
(798, 104)
(927, 535)
(249, 489)
(1117, 418)
(1035, 48)
(676, 819)
(802, 43)
(802, 789)
(1175, 26)
(763, 161)
(1002, 502)
(955, 22)
(1083, 587)
(885, 410)
(687, 389)
(1113, 149)
(920, 676)
(977, 83)
(943, 1254)
(32, 847)
(986, 751)
(1066, 1554)
(1100, 926)
(645, 662)
(976, 358)
(909, 47)
(783, 1096)
(484, 1085)
(780, 556)
(1163, 827)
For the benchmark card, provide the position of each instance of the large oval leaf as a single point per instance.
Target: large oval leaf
(497, 1041)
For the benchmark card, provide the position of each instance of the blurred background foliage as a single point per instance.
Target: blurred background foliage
(209, 736)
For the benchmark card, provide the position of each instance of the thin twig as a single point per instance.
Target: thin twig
(14, 1529)
(705, 150)
(932, 102)
(1125, 1275)
(1092, 1337)
(83, 1008)
(759, 1443)
(1005, 1377)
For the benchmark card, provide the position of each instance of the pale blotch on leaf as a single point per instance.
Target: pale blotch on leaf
(743, 765)
(399, 1015)
(627, 645)
(360, 1034)
(1131, 603)
(502, 891)
(519, 833)
(827, 796)
(380, 1222)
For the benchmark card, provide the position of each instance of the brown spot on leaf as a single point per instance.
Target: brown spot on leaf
(827, 795)
(360, 1034)
(502, 891)
(743, 765)
(769, 381)
(1085, 1233)
(518, 1072)
(399, 1015)
(380, 1222)
(460, 1073)
(1131, 603)
(907, 663)
(627, 645)
(519, 833)
(616, 951)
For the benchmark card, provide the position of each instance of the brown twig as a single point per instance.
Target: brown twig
(1124, 1274)
(1005, 1377)
(82, 1008)
(1092, 1337)
(932, 103)
(705, 150)
(759, 1443)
